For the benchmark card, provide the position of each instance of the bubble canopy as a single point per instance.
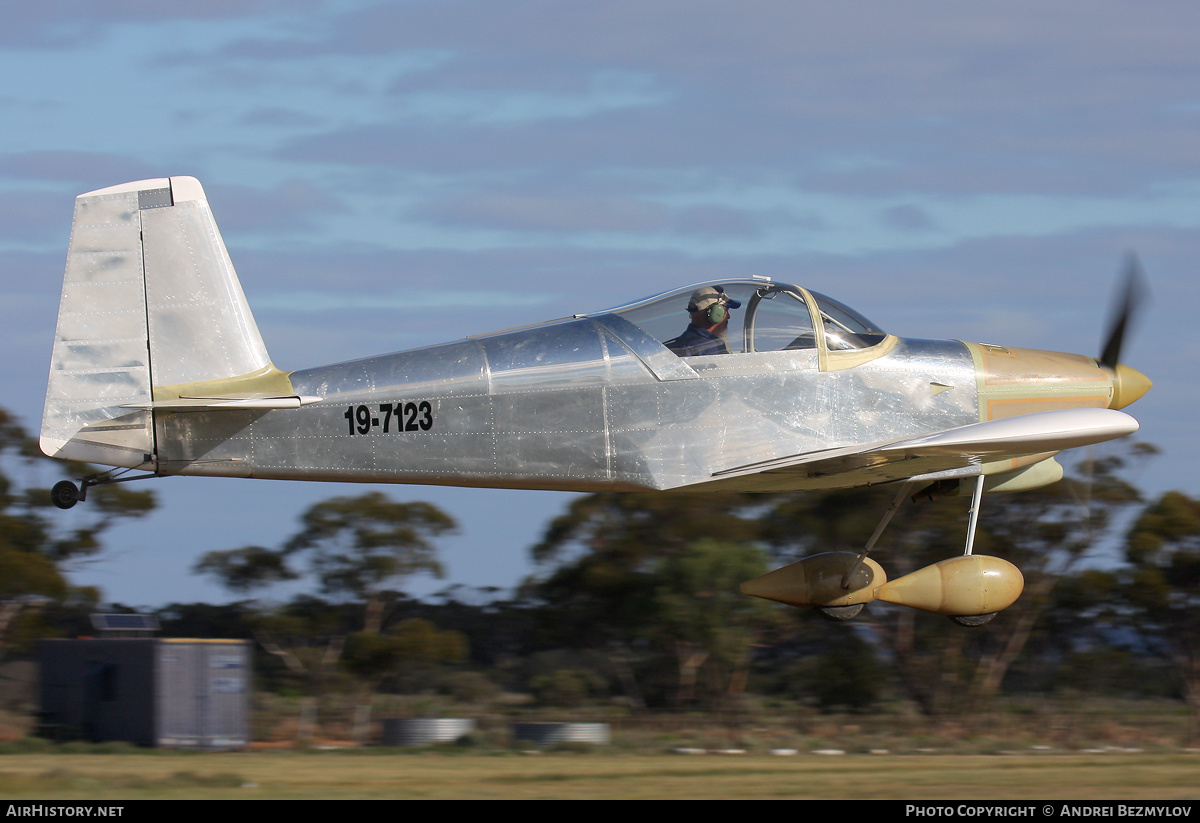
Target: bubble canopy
(767, 317)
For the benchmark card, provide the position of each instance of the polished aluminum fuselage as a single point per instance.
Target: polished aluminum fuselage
(586, 403)
(158, 366)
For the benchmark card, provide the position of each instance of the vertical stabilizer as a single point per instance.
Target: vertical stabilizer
(150, 299)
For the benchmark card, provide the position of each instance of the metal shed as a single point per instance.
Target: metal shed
(179, 693)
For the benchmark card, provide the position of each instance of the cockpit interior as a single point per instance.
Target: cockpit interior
(768, 317)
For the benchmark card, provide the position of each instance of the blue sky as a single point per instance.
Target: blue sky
(388, 175)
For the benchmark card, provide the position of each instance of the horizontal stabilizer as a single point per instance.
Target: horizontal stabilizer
(222, 402)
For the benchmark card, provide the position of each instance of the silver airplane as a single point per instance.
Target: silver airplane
(158, 369)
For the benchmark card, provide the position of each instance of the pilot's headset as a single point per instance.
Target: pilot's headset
(716, 311)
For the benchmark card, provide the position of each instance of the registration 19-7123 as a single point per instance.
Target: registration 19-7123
(392, 417)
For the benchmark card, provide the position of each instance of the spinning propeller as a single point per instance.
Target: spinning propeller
(1129, 384)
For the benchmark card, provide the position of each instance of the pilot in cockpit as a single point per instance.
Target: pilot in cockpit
(709, 309)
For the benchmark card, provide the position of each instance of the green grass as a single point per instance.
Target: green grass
(605, 773)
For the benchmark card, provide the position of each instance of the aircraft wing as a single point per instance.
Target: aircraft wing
(943, 451)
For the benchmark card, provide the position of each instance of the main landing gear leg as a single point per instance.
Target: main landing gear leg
(972, 524)
(846, 612)
(887, 518)
(66, 494)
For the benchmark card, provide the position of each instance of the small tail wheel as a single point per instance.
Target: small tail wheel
(65, 494)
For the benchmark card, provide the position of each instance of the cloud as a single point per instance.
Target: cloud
(74, 23)
(605, 91)
(83, 170)
(583, 211)
(907, 217)
(658, 137)
(290, 206)
(389, 301)
(281, 117)
(1009, 98)
(543, 212)
(34, 217)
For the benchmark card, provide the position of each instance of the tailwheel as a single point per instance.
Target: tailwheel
(840, 613)
(973, 619)
(65, 494)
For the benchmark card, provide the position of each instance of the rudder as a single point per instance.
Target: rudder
(150, 301)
